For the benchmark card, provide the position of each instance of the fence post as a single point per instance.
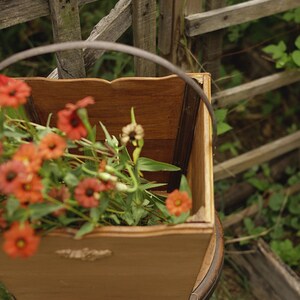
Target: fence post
(172, 42)
(66, 27)
(212, 46)
(144, 34)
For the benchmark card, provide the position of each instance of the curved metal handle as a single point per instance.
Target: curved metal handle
(101, 45)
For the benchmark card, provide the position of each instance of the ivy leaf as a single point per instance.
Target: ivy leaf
(220, 114)
(277, 51)
(296, 57)
(150, 165)
(297, 42)
(259, 184)
(85, 228)
(276, 201)
(222, 128)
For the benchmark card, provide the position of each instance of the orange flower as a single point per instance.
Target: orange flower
(61, 194)
(52, 146)
(30, 190)
(28, 154)
(11, 174)
(13, 92)
(70, 122)
(20, 240)
(178, 202)
(86, 193)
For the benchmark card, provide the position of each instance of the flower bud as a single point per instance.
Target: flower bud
(121, 187)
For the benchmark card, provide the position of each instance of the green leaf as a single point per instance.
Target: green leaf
(259, 184)
(180, 219)
(249, 225)
(12, 205)
(276, 201)
(150, 165)
(184, 186)
(286, 251)
(220, 114)
(150, 185)
(297, 15)
(294, 205)
(222, 128)
(296, 57)
(297, 42)
(39, 210)
(85, 228)
(95, 214)
(71, 180)
(107, 135)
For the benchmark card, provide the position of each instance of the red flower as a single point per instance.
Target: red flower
(11, 174)
(52, 146)
(61, 194)
(29, 190)
(20, 240)
(70, 122)
(28, 154)
(86, 193)
(178, 202)
(13, 92)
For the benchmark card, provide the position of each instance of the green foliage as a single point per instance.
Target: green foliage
(285, 249)
(222, 125)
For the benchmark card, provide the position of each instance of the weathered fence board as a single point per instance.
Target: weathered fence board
(13, 12)
(213, 45)
(256, 87)
(261, 154)
(144, 34)
(66, 27)
(269, 277)
(109, 28)
(235, 14)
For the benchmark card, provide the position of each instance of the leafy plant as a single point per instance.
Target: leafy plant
(222, 125)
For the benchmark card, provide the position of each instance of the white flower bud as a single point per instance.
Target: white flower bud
(121, 187)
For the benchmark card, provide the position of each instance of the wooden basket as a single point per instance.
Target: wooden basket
(155, 262)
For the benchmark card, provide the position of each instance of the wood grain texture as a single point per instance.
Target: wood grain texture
(260, 155)
(141, 266)
(66, 27)
(268, 276)
(213, 45)
(13, 12)
(109, 28)
(157, 103)
(144, 34)
(235, 14)
(256, 87)
(200, 165)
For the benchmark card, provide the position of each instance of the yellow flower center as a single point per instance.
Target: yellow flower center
(178, 202)
(20, 243)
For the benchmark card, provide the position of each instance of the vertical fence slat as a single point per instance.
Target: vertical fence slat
(66, 27)
(144, 33)
(173, 44)
(212, 45)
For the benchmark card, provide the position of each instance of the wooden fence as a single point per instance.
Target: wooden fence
(180, 21)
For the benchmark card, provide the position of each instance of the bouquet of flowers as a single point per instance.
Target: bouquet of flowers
(62, 177)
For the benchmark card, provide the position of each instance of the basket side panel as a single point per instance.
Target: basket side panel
(162, 267)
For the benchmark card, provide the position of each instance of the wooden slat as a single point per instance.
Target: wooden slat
(260, 155)
(144, 34)
(109, 28)
(165, 26)
(66, 27)
(13, 12)
(171, 37)
(213, 45)
(268, 277)
(255, 87)
(236, 14)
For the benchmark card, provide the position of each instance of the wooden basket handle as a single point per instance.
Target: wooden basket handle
(101, 45)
